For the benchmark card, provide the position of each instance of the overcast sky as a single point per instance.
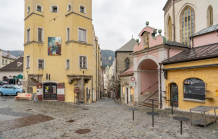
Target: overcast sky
(115, 21)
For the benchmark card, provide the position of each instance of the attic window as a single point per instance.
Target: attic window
(69, 7)
(82, 9)
(54, 9)
(28, 9)
(19, 64)
(39, 8)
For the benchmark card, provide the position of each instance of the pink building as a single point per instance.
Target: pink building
(148, 54)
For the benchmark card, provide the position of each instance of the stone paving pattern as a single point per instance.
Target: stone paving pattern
(105, 119)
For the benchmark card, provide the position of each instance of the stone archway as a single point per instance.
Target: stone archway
(148, 76)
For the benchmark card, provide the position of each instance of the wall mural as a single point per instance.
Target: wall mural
(54, 45)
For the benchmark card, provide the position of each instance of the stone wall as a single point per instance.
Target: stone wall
(120, 62)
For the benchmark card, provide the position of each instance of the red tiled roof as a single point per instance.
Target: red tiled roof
(129, 72)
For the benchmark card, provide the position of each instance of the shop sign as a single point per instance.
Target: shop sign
(194, 88)
(133, 83)
(76, 90)
(126, 83)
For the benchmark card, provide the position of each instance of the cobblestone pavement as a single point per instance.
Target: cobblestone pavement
(105, 119)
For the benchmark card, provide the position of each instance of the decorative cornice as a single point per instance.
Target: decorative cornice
(33, 14)
(148, 49)
(72, 41)
(78, 15)
(33, 42)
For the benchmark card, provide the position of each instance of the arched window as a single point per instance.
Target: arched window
(170, 29)
(210, 16)
(194, 88)
(127, 63)
(187, 25)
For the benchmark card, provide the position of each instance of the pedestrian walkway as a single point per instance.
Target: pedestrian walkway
(105, 102)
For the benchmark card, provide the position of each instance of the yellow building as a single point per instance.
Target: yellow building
(61, 51)
(191, 77)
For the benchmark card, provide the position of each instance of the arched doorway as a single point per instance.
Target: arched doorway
(50, 91)
(5, 78)
(174, 95)
(148, 76)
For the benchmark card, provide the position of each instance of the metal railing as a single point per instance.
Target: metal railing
(150, 88)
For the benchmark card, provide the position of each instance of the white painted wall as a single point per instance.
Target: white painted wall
(200, 8)
(9, 73)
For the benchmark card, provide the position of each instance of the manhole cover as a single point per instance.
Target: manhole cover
(85, 109)
(28, 109)
(83, 131)
(71, 121)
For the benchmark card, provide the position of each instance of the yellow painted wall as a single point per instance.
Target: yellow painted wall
(56, 65)
(209, 75)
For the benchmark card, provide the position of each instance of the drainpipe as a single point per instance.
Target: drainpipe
(174, 30)
(96, 69)
(92, 89)
(160, 87)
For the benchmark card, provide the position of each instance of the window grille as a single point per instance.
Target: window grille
(188, 25)
(39, 34)
(41, 64)
(83, 62)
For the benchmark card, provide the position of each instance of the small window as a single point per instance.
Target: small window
(68, 34)
(69, 7)
(28, 9)
(28, 62)
(19, 64)
(82, 9)
(83, 62)
(40, 34)
(3, 62)
(28, 35)
(127, 63)
(39, 8)
(41, 63)
(82, 35)
(210, 16)
(54, 9)
(67, 64)
(6, 61)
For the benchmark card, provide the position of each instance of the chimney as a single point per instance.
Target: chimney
(8, 53)
(18, 56)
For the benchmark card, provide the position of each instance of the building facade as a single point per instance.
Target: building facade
(11, 70)
(184, 18)
(123, 58)
(192, 76)
(61, 51)
(6, 58)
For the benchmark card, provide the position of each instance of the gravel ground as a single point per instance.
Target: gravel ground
(105, 119)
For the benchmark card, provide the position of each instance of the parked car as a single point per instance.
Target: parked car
(3, 82)
(10, 90)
